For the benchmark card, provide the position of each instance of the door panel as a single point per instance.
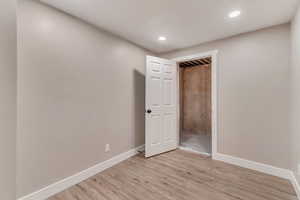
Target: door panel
(167, 92)
(161, 109)
(155, 88)
(155, 127)
(169, 126)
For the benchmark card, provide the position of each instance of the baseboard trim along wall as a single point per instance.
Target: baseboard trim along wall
(295, 184)
(85, 174)
(264, 168)
(81, 176)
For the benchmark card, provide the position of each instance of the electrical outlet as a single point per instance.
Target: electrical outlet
(107, 148)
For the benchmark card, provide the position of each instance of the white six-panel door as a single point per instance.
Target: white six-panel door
(161, 106)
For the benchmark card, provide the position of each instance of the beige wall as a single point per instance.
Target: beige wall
(295, 92)
(253, 92)
(79, 89)
(8, 82)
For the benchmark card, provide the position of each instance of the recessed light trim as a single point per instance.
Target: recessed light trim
(162, 38)
(234, 14)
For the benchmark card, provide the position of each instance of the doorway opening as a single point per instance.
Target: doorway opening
(181, 114)
(195, 99)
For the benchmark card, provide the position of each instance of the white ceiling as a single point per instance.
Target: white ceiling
(184, 22)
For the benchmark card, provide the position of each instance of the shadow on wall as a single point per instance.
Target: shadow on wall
(139, 108)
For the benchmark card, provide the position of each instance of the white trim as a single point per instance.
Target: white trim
(196, 56)
(264, 168)
(79, 177)
(85, 174)
(295, 183)
(194, 151)
(214, 73)
(178, 104)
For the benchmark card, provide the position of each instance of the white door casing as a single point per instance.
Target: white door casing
(161, 106)
(214, 83)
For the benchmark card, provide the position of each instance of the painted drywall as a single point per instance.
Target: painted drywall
(253, 82)
(295, 94)
(8, 81)
(79, 88)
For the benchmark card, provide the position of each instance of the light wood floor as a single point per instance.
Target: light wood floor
(179, 175)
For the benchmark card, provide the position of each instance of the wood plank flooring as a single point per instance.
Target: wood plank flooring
(179, 175)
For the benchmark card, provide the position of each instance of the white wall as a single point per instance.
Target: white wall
(79, 88)
(8, 82)
(253, 94)
(295, 93)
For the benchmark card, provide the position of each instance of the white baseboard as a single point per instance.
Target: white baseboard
(83, 175)
(295, 184)
(264, 168)
(79, 177)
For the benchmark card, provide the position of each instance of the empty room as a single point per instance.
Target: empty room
(150, 100)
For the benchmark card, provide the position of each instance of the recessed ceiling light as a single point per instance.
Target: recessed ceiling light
(162, 38)
(234, 14)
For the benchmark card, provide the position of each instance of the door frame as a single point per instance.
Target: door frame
(214, 81)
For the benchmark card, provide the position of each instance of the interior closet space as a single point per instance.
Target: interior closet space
(195, 105)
